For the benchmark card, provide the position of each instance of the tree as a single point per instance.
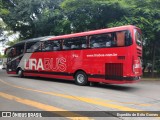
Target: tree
(92, 14)
(11, 43)
(149, 10)
(32, 18)
(3, 11)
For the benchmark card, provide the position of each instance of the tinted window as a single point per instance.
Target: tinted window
(74, 43)
(102, 40)
(47, 46)
(128, 38)
(114, 39)
(138, 38)
(19, 49)
(51, 45)
(15, 50)
(32, 46)
(10, 52)
(56, 45)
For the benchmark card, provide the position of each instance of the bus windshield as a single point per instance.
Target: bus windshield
(15, 51)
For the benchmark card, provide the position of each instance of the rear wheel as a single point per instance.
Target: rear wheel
(20, 73)
(81, 78)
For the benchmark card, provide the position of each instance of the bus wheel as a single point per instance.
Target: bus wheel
(81, 78)
(20, 73)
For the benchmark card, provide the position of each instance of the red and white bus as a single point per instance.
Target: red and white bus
(111, 55)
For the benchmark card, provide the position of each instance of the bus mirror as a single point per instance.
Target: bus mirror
(5, 51)
(13, 51)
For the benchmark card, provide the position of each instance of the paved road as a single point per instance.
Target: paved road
(41, 94)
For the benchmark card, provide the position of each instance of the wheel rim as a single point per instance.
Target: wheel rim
(80, 78)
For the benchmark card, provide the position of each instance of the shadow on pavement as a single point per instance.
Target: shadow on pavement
(122, 87)
(47, 79)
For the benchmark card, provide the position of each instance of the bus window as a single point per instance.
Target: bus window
(75, 43)
(38, 47)
(128, 39)
(10, 53)
(101, 41)
(138, 38)
(123, 38)
(32, 46)
(47, 46)
(15, 51)
(56, 45)
(51, 45)
(19, 49)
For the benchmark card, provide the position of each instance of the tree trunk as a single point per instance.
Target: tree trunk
(153, 59)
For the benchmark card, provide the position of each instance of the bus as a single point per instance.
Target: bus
(111, 55)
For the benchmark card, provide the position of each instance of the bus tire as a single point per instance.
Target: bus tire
(20, 73)
(81, 78)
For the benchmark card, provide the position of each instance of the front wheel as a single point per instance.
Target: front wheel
(20, 73)
(81, 78)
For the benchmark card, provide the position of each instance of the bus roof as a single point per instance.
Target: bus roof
(126, 27)
(34, 39)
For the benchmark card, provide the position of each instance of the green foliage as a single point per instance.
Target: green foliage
(2, 56)
(3, 11)
(11, 43)
(92, 14)
(32, 18)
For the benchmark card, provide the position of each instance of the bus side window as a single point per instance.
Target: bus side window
(56, 45)
(32, 46)
(93, 42)
(66, 44)
(75, 43)
(138, 38)
(80, 42)
(128, 39)
(38, 47)
(17, 50)
(47, 46)
(108, 40)
(101, 41)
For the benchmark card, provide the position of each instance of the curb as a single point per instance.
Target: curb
(151, 79)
